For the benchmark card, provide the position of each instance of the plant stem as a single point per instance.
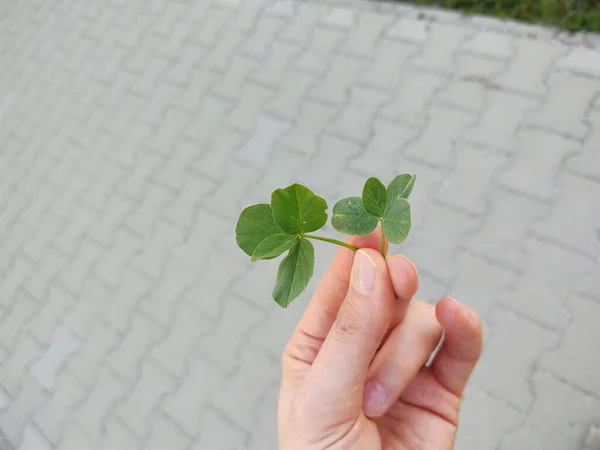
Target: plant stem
(331, 241)
(382, 243)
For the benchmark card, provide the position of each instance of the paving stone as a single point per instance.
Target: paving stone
(545, 276)
(106, 392)
(238, 321)
(228, 398)
(556, 405)
(587, 161)
(499, 236)
(581, 60)
(577, 229)
(469, 183)
(485, 420)
(52, 417)
(339, 79)
(102, 339)
(387, 141)
(437, 53)
(435, 252)
(259, 44)
(117, 436)
(503, 372)
(61, 346)
(546, 153)
(216, 429)
(14, 324)
(271, 71)
(355, 119)
(571, 354)
(409, 30)
(490, 43)
(33, 439)
(498, 126)
(435, 145)
(166, 435)
(135, 410)
(251, 102)
(13, 370)
(14, 420)
(305, 19)
(260, 145)
(187, 327)
(313, 119)
(529, 68)
(294, 86)
(187, 405)
(568, 100)
(343, 18)
(159, 303)
(363, 41)
(479, 282)
(410, 102)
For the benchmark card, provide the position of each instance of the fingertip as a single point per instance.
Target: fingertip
(404, 275)
(458, 319)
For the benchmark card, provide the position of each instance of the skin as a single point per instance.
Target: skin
(362, 334)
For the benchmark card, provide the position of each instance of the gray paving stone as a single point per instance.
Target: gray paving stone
(505, 373)
(566, 105)
(133, 133)
(557, 405)
(529, 68)
(547, 153)
(571, 354)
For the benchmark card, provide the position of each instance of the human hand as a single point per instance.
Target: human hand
(354, 371)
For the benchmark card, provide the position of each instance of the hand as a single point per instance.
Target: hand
(355, 373)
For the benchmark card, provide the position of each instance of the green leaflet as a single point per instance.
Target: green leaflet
(274, 245)
(295, 272)
(254, 225)
(396, 221)
(349, 217)
(297, 210)
(374, 197)
(400, 187)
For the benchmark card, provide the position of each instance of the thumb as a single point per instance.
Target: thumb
(339, 371)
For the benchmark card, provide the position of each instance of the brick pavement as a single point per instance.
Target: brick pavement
(133, 132)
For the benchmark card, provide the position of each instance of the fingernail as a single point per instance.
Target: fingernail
(409, 262)
(462, 310)
(364, 273)
(374, 398)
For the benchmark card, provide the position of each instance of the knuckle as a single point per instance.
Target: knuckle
(347, 325)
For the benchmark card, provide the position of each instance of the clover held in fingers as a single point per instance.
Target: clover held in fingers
(266, 231)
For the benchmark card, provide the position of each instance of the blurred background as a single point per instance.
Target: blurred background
(132, 133)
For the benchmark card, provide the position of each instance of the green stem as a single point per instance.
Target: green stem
(331, 241)
(382, 243)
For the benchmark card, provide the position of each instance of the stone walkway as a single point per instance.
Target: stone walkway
(133, 132)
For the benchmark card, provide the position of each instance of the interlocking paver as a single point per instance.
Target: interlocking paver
(410, 101)
(504, 373)
(153, 384)
(556, 405)
(187, 405)
(128, 316)
(571, 353)
(567, 102)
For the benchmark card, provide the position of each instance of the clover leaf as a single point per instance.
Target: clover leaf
(297, 210)
(266, 231)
